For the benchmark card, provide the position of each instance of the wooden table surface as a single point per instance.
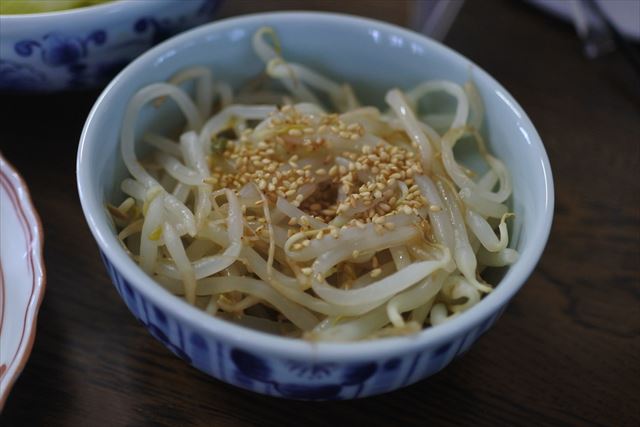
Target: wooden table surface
(566, 352)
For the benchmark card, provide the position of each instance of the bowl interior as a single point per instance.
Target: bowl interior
(371, 56)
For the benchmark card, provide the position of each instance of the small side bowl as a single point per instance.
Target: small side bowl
(85, 47)
(374, 57)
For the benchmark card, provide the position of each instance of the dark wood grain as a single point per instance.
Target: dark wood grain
(566, 352)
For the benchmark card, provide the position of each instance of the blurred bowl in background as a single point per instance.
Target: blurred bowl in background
(85, 47)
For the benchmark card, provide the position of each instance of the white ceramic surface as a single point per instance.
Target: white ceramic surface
(373, 56)
(22, 275)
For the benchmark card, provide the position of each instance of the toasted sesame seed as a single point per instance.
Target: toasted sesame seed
(435, 208)
(385, 207)
(355, 253)
(376, 272)
(306, 271)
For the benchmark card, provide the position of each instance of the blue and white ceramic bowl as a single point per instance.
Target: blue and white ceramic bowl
(374, 57)
(85, 47)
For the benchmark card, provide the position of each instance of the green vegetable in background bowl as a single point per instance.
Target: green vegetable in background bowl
(15, 7)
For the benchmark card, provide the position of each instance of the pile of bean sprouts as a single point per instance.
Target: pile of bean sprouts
(334, 222)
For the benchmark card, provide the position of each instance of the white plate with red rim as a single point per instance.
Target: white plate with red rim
(22, 275)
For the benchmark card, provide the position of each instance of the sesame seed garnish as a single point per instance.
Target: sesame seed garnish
(376, 272)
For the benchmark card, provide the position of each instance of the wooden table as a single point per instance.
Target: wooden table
(566, 352)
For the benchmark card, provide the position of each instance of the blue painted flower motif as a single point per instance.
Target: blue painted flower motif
(162, 337)
(329, 380)
(311, 371)
(59, 49)
(160, 30)
(16, 77)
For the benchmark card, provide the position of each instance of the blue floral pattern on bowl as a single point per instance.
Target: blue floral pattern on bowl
(20, 76)
(286, 377)
(63, 59)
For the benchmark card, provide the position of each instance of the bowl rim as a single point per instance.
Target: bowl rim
(294, 347)
(66, 12)
(24, 203)
(84, 12)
